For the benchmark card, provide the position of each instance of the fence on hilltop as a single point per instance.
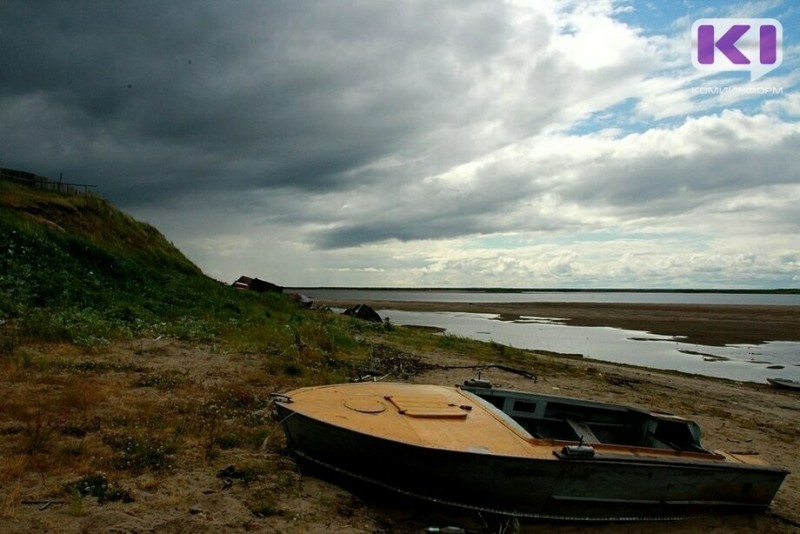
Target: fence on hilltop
(42, 182)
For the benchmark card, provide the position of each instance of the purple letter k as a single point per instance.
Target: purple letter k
(726, 44)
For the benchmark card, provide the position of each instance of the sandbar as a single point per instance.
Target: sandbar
(715, 325)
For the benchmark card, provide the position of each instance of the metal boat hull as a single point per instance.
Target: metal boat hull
(782, 383)
(603, 487)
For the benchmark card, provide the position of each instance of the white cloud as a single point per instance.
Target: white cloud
(470, 143)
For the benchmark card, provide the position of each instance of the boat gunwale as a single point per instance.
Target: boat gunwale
(625, 451)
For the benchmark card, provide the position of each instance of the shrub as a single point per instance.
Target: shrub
(97, 486)
(137, 453)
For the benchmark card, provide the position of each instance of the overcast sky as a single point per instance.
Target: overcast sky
(419, 143)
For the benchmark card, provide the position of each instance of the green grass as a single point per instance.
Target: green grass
(140, 452)
(94, 486)
(74, 269)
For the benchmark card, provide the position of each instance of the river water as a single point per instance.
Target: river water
(747, 363)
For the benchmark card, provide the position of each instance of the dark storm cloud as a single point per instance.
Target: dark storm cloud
(408, 230)
(716, 157)
(702, 166)
(229, 95)
(291, 133)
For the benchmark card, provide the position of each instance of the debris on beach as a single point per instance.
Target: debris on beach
(387, 361)
(256, 284)
(362, 311)
(303, 300)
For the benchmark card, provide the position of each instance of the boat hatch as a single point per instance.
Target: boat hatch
(365, 405)
(436, 406)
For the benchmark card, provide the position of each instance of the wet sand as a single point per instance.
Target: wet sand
(714, 325)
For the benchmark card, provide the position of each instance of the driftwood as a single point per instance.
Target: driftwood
(622, 381)
(521, 372)
(385, 360)
(43, 504)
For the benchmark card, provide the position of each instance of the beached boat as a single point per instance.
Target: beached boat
(784, 383)
(521, 454)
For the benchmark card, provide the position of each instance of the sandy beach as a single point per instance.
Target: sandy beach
(192, 496)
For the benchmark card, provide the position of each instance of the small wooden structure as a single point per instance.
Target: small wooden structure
(255, 284)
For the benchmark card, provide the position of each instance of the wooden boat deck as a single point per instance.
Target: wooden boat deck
(451, 419)
(426, 416)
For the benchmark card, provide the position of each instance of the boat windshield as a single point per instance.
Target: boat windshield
(498, 413)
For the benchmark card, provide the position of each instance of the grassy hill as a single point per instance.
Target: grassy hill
(74, 268)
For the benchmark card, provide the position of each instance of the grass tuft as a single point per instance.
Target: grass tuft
(96, 485)
(138, 453)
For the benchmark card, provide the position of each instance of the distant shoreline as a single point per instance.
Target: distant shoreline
(705, 324)
(777, 291)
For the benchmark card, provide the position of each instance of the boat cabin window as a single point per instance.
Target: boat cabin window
(523, 406)
(677, 435)
(497, 402)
